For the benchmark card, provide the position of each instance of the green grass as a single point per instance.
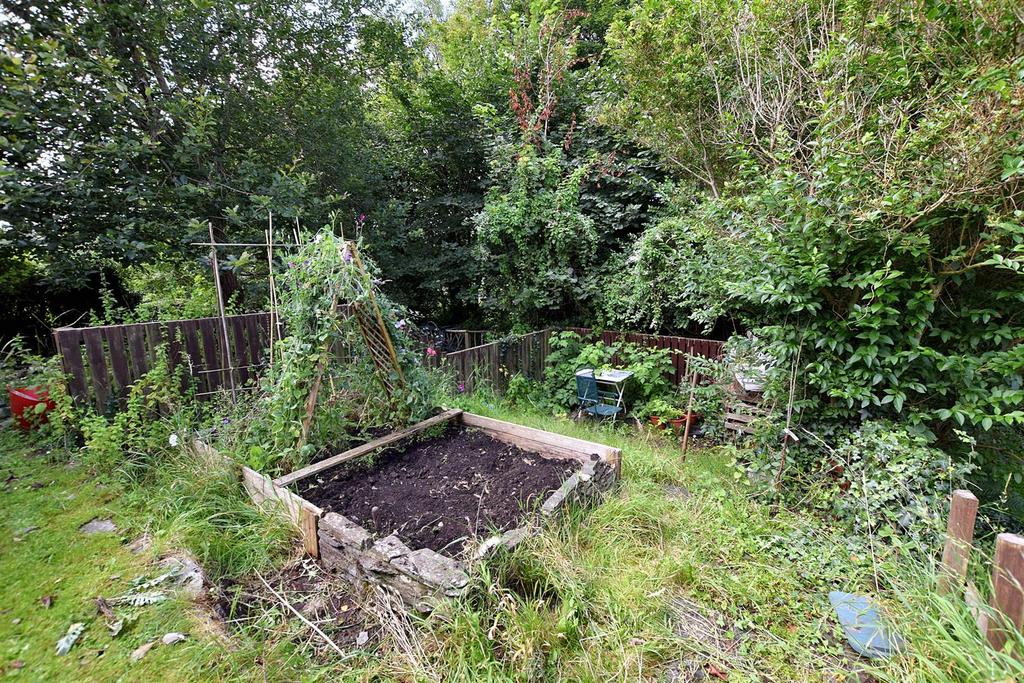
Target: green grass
(652, 577)
(58, 561)
(182, 505)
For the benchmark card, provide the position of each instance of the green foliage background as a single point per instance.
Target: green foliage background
(845, 179)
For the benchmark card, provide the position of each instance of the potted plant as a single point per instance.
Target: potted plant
(663, 413)
(19, 371)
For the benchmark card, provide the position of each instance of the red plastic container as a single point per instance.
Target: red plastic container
(23, 406)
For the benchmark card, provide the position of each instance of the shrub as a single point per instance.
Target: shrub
(651, 368)
(888, 480)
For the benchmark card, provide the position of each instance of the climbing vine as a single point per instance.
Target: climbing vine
(322, 347)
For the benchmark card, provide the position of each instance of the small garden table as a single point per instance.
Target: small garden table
(616, 379)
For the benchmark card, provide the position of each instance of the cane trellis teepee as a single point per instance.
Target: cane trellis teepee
(375, 335)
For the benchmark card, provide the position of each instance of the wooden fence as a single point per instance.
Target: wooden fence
(1006, 607)
(497, 361)
(705, 348)
(500, 360)
(101, 363)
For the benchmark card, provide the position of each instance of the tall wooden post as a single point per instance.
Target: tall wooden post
(220, 309)
(1007, 589)
(959, 536)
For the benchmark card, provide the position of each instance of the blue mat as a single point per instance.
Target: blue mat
(863, 626)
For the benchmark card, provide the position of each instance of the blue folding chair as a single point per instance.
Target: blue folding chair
(591, 399)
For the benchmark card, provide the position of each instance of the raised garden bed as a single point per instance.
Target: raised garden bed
(412, 509)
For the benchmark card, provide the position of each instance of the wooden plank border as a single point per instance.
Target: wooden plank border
(545, 443)
(273, 496)
(366, 448)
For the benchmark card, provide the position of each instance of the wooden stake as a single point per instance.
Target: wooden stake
(220, 308)
(1007, 589)
(959, 536)
(689, 407)
(270, 278)
(308, 521)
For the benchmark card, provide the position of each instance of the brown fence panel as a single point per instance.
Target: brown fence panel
(117, 356)
(498, 361)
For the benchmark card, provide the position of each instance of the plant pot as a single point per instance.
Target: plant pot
(679, 423)
(656, 421)
(24, 402)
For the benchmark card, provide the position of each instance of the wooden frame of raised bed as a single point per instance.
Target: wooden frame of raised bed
(417, 575)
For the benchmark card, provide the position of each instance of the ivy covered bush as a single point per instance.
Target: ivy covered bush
(867, 197)
(887, 479)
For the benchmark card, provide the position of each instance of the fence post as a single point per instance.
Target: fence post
(959, 535)
(1007, 588)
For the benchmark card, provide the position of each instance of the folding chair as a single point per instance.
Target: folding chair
(591, 399)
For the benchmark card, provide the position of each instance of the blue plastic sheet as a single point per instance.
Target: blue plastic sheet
(863, 626)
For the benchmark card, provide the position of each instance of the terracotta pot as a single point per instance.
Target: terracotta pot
(679, 423)
(23, 406)
(656, 421)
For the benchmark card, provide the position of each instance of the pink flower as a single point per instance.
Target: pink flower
(431, 351)
(462, 387)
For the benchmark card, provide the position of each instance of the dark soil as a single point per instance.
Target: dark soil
(439, 492)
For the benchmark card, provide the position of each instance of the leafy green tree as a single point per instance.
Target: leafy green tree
(133, 124)
(865, 183)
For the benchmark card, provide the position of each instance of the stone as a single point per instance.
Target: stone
(677, 492)
(98, 526)
(434, 569)
(391, 547)
(172, 638)
(516, 536)
(340, 530)
(552, 503)
(188, 575)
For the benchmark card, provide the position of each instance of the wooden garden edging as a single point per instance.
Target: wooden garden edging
(419, 575)
(101, 363)
(1007, 601)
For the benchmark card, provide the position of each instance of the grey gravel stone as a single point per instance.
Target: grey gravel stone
(98, 526)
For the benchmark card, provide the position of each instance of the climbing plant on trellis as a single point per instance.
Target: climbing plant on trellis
(344, 364)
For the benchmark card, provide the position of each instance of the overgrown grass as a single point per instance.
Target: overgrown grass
(181, 504)
(679, 569)
(597, 596)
